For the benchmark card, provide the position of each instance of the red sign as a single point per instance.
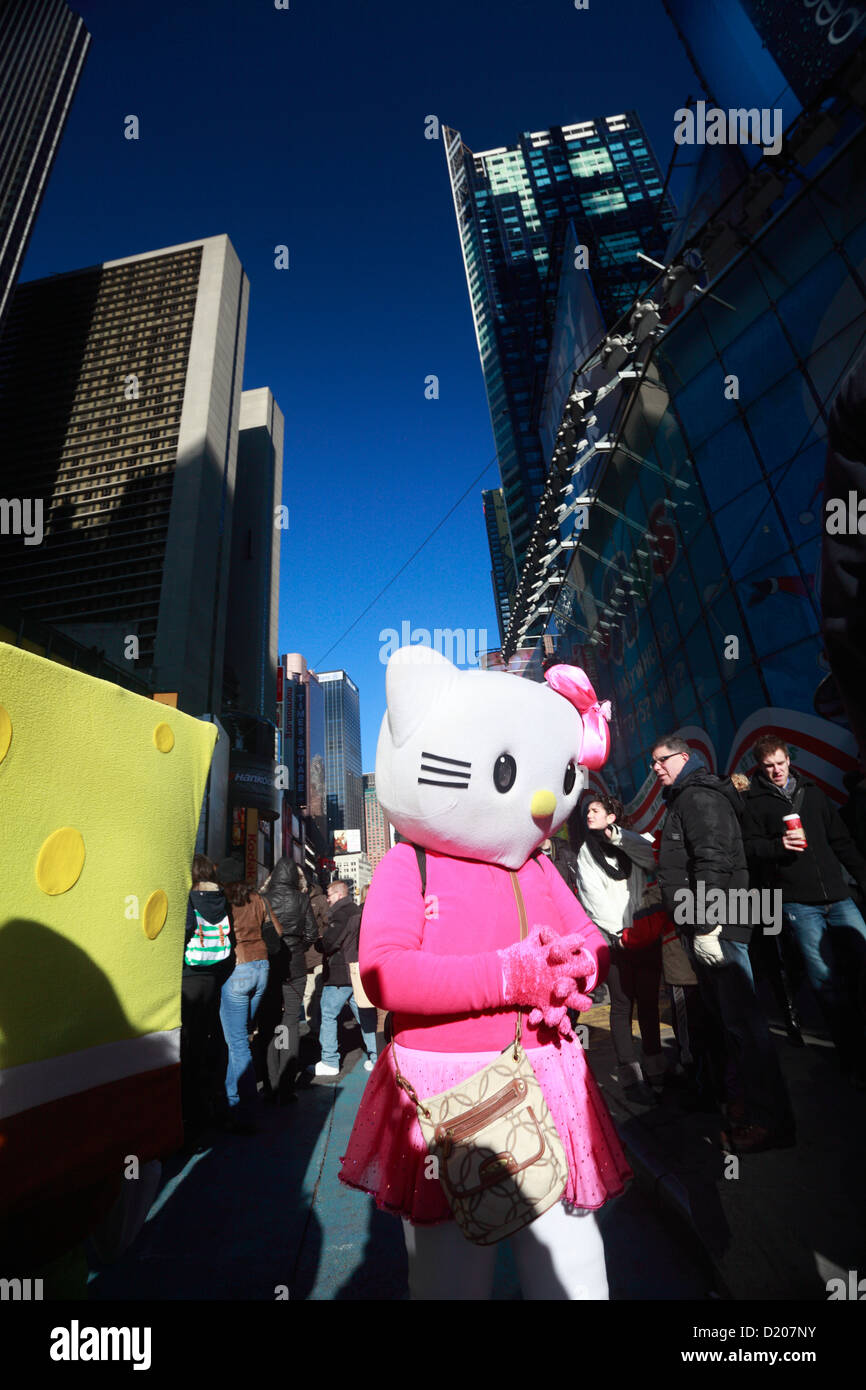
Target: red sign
(279, 685)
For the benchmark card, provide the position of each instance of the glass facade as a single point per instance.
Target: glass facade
(42, 52)
(513, 206)
(697, 606)
(345, 791)
(502, 573)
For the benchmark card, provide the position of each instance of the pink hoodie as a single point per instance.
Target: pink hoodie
(433, 962)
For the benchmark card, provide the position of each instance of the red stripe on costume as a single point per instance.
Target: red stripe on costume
(76, 1141)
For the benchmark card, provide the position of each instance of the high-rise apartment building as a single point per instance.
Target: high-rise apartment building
(43, 45)
(345, 788)
(513, 206)
(376, 824)
(120, 401)
(250, 673)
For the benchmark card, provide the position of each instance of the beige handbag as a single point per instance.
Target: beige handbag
(501, 1162)
(358, 990)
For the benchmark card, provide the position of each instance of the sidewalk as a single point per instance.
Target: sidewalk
(775, 1225)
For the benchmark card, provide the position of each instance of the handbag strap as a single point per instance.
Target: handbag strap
(521, 912)
(521, 909)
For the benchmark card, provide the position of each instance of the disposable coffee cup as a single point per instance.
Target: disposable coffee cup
(793, 822)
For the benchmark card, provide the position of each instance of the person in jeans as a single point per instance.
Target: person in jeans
(207, 963)
(338, 945)
(806, 866)
(612, 866)
(702, 849)
(242, 992)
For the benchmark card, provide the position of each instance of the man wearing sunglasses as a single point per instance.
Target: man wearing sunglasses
(702, 850)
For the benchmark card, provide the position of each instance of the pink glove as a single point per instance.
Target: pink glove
(541, 974)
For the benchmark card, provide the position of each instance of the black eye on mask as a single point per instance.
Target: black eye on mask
(504, 772)
(569, 779)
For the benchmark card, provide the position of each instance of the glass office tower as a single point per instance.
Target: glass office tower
(696, 607)
(42, 52)
(345, 788)
(513, 206)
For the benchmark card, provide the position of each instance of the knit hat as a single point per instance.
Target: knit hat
(231, 871)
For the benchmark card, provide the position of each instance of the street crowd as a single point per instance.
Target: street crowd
(694, 910)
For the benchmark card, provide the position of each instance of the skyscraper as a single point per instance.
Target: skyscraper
(376, 823)
(43, 45)
(513, 206)
(343, 752)
(120, 399)
(301, 719)
(502, 573)
(254, 578)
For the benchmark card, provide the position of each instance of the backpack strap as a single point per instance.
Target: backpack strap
(421, 856)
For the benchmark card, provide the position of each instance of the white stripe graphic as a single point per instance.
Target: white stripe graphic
(37, 1083)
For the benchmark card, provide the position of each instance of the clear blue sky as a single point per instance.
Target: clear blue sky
(306, 127)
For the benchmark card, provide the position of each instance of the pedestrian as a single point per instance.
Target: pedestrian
(339, 945)
(313, 986)
(290, 905)
(773, 958)
(804, 863)
(208, 960)
(613, 869)
(701, 853)
(242, 992)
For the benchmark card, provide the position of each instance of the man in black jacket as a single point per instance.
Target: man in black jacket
(806, 866)
(704, 880)
(338, 945)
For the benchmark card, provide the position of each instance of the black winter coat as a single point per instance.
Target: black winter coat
(339, 942)
(702, 842)
(565, 860)
(813, 875)
(292, 910)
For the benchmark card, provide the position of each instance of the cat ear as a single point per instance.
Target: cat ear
(415, 680)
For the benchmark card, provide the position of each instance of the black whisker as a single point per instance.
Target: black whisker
(458, 762)
(428, 782)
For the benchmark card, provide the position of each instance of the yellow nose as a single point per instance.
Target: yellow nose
(543, 803)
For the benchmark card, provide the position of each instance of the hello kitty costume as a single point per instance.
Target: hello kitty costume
(479, 767)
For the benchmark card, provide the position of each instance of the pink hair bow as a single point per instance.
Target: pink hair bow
(576, 686)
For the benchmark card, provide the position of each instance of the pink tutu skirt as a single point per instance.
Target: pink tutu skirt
(387, 1151)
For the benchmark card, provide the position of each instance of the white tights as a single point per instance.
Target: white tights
(559, 1256)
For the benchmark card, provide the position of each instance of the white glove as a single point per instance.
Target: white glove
(708, 948)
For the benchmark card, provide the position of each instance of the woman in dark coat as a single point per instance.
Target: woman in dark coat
(286, 893)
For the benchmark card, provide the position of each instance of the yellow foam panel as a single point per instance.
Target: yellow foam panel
(100, 794)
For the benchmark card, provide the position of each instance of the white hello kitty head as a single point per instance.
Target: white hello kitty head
(481, 764)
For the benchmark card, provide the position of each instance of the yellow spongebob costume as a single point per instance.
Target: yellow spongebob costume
(100, 793)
